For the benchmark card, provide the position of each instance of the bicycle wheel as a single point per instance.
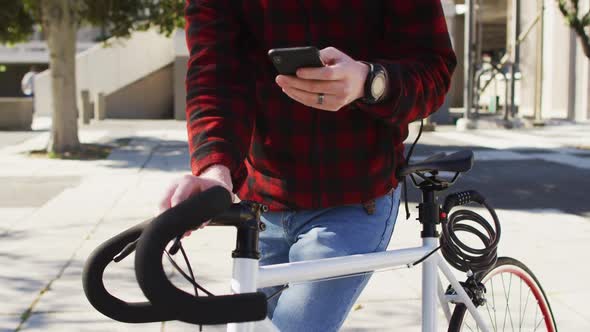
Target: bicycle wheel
(515, 301)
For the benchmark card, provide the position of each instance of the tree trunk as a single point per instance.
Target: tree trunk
(584, 39)
(60, 23)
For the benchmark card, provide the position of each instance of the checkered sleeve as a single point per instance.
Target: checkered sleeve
(419, 59)
(218, 83)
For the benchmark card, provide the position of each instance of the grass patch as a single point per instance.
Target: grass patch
(86, 152)
(25, 315)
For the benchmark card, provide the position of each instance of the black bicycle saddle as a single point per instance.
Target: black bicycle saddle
(461, 161)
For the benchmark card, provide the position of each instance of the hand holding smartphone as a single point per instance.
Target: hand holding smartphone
(288, 60)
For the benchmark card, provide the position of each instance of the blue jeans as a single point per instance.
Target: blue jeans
(293, 236)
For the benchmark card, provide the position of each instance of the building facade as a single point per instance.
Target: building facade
(565, 70)
(149, 65)
(16, 60)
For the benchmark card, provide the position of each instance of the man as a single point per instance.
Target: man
(28, 83)
(320, 148)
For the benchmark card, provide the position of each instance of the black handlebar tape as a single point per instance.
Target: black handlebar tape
(162, 293)
(100, 298)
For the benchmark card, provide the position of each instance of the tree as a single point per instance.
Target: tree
(59, 20)
(580, 23)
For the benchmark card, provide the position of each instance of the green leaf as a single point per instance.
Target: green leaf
(116, 17)
(119, 18)
(586, 19)
(16, 21)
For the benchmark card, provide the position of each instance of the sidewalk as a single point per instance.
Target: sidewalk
(53, 213)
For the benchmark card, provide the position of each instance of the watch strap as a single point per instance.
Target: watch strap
(368, 97)
(374, 70)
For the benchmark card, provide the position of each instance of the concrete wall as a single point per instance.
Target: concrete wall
(180, 68)
(16, 113)
(528, 60)
(108, 69)
(558, 73)
(581, 111)
(148, 98)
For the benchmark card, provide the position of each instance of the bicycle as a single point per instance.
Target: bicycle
(485, 301)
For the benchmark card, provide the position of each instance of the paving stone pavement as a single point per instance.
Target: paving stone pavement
(48, 230)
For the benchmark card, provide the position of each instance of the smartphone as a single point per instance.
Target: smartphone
(288, 60)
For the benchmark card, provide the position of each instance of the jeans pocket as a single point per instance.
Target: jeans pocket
(391, 201)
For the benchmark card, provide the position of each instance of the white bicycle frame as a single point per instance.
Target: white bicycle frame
(248, 276)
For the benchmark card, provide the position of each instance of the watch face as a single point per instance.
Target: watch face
(378, 86)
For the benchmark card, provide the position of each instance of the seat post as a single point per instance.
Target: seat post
(429, 213)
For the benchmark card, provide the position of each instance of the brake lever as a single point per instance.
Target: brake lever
(129, 248)
(175, 246)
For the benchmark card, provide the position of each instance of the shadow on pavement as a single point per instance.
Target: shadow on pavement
(149, 153)
(523, 184)
(527, 184)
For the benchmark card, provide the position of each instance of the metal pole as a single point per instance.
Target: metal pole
(539, 70)
(477, 57)
(468, 55)
(516, 61)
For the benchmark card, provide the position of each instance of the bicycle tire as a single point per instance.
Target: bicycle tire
(513, 267)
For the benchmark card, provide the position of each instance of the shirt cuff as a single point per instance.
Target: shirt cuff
(237, 170)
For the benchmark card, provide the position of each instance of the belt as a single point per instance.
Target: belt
(369, 205)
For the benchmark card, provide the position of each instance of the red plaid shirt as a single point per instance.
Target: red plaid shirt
(287, 155)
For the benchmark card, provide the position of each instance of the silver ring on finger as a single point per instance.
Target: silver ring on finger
(320, 98)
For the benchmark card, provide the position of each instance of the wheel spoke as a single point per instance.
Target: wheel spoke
(520, 305)
(504, 291)
(490, 314)
(524, 310)
(507, 295)
(494, 300)
(536, 312)
(539, 324)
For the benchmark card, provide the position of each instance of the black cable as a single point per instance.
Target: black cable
(277, 292)
(187, 277)
(426, 257)
(460, 255)
(408, 156)
(190, 269)
(176, 246)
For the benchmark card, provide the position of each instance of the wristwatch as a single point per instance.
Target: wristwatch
(376, 84)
